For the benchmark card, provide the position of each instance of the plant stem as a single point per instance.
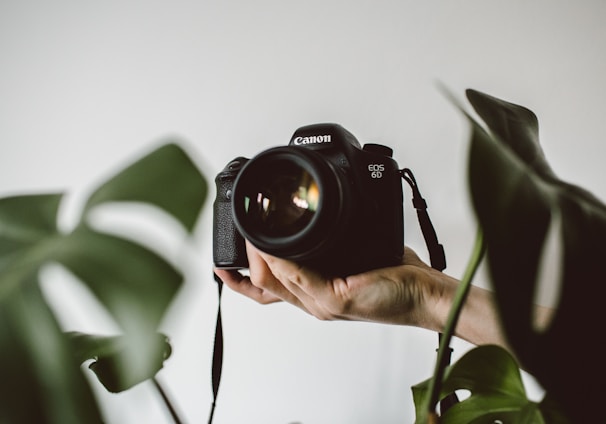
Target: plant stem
(167, 402)
(435, 384)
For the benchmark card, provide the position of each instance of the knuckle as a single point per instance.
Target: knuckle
(340, 309)
(324, 317)
(258, 281)
(263, 301)
(294, 276)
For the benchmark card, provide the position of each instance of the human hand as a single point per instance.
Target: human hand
(407, 294)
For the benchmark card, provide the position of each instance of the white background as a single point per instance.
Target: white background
(87, 86)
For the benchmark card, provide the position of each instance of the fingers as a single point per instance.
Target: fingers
(367, 296)
(324, 298)
(290, 273)
(262, 285)
(269, 279)
(391, 295)
(242, 284)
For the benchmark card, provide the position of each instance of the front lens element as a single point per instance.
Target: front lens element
(281, 201)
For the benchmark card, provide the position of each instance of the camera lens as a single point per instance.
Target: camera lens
(284, 202)
(287, 201)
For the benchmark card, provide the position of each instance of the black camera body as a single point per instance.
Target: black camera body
(323, 201)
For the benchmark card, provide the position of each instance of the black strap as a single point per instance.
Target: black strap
(437, 256)
(451, 399)
(217, 352)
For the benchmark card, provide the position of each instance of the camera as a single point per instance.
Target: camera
(323, 201)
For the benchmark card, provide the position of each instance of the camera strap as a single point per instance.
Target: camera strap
(217, 364)
(437, 257)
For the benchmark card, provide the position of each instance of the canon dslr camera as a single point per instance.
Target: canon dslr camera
(323, 201)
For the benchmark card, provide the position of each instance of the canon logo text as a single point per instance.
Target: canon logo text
(314, 139)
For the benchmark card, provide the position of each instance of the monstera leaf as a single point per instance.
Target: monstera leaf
(41, 379)
(106, 353)
(517, 197)
(496, 391)
(520, 202)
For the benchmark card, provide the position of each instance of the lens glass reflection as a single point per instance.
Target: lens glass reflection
(282, 201)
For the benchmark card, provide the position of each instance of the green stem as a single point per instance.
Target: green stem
(435, 384)
(167, 402)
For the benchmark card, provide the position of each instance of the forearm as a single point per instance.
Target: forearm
(478, 321)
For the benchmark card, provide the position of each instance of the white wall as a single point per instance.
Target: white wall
(85, 86)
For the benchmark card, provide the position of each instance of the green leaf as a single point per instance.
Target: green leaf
(41, 382)
(516, 197)
(25, 222)
(516, 124)
(27, 219)
(107, 353)
(134, 284)
(166, 178)
(497, 392)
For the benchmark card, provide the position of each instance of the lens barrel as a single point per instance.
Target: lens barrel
(290, 202)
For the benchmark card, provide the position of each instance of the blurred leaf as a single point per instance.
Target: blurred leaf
(135, 284)
(26, 219)
(107, 353)
(552, 411)
(166, 178)
(25, 222)
(41, 383)
(516, 196)
(516, 124)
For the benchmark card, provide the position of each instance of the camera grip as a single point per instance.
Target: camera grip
(229, 249)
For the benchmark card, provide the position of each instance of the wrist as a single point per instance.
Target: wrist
(444, 295)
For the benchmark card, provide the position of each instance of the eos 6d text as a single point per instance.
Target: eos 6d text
(376, 170)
